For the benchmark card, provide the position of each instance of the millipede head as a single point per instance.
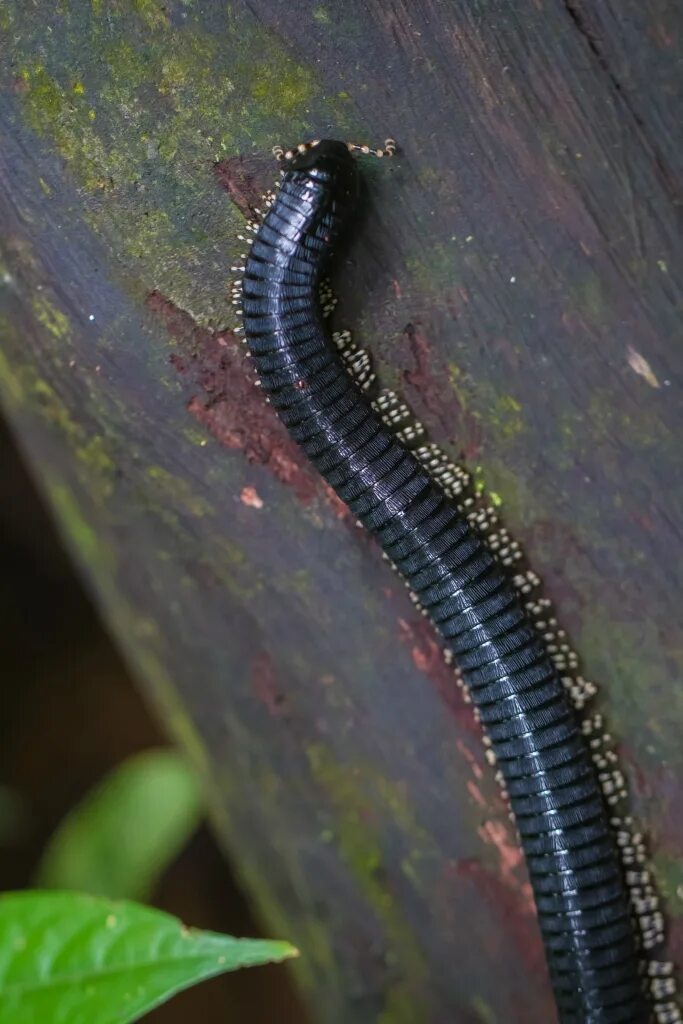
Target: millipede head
(299, 157)
(289, 154)
(328, 162)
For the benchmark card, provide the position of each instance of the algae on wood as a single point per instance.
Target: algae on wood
(513, 277)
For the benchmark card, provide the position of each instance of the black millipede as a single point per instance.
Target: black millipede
(596, 909)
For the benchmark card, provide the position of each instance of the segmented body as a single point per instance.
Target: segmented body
(571, 850)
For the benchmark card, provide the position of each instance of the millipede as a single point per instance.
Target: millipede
(597, 909)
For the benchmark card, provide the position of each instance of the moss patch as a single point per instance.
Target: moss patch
(140, 104)
(669, 872)
(24, 388)
(80, 534)
(51, 318)
(178, 492)
(359, 840)
(627, 658)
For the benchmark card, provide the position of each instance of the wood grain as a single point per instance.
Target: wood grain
(513, 274)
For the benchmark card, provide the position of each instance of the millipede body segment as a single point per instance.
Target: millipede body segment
(572, 849)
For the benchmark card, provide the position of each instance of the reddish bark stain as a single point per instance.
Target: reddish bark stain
(497, 834)
(249, 496)
(264, 684)
(228, 403)
(644, 521)
(337, 506)
(497, 831)
(476, 793)
(243, 179)
(475, 767)
(504, 348)
(661, 35)
(513, 910)
(431, 397)
(427, 656)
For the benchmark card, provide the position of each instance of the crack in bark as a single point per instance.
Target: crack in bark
(581, 23)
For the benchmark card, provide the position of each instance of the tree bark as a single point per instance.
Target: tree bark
(513, 276)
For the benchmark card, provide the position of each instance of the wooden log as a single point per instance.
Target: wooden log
(513, 275)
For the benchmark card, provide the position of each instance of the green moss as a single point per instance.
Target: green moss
(462, 388)
(501, 413)
(483, 1011)
(81, 535)
(139, 108)
(51, 109)
(143, 638)
(151, 12)
(51, 318)
(281, 89)
(322, 15)
(46, 98)
(504, 415)
(23, 387)
(299, 582)
(94, 463)
(11, 388)
(669, 874)
(155, 231)
(508, 491)
(231, 567)
(195, 437)
(590, 299)
(126, 66)
(643, 431)
(178, 492)
(627, 658)
(358, 839)
(400, 1008)
(438, 270)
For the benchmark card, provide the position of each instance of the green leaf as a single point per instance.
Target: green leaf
(66, 958)
(120, 838)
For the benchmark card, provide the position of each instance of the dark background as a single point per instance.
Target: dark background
(71, 713)
(514, 280)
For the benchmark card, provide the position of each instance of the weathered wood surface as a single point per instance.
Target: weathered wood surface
(514, 276)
